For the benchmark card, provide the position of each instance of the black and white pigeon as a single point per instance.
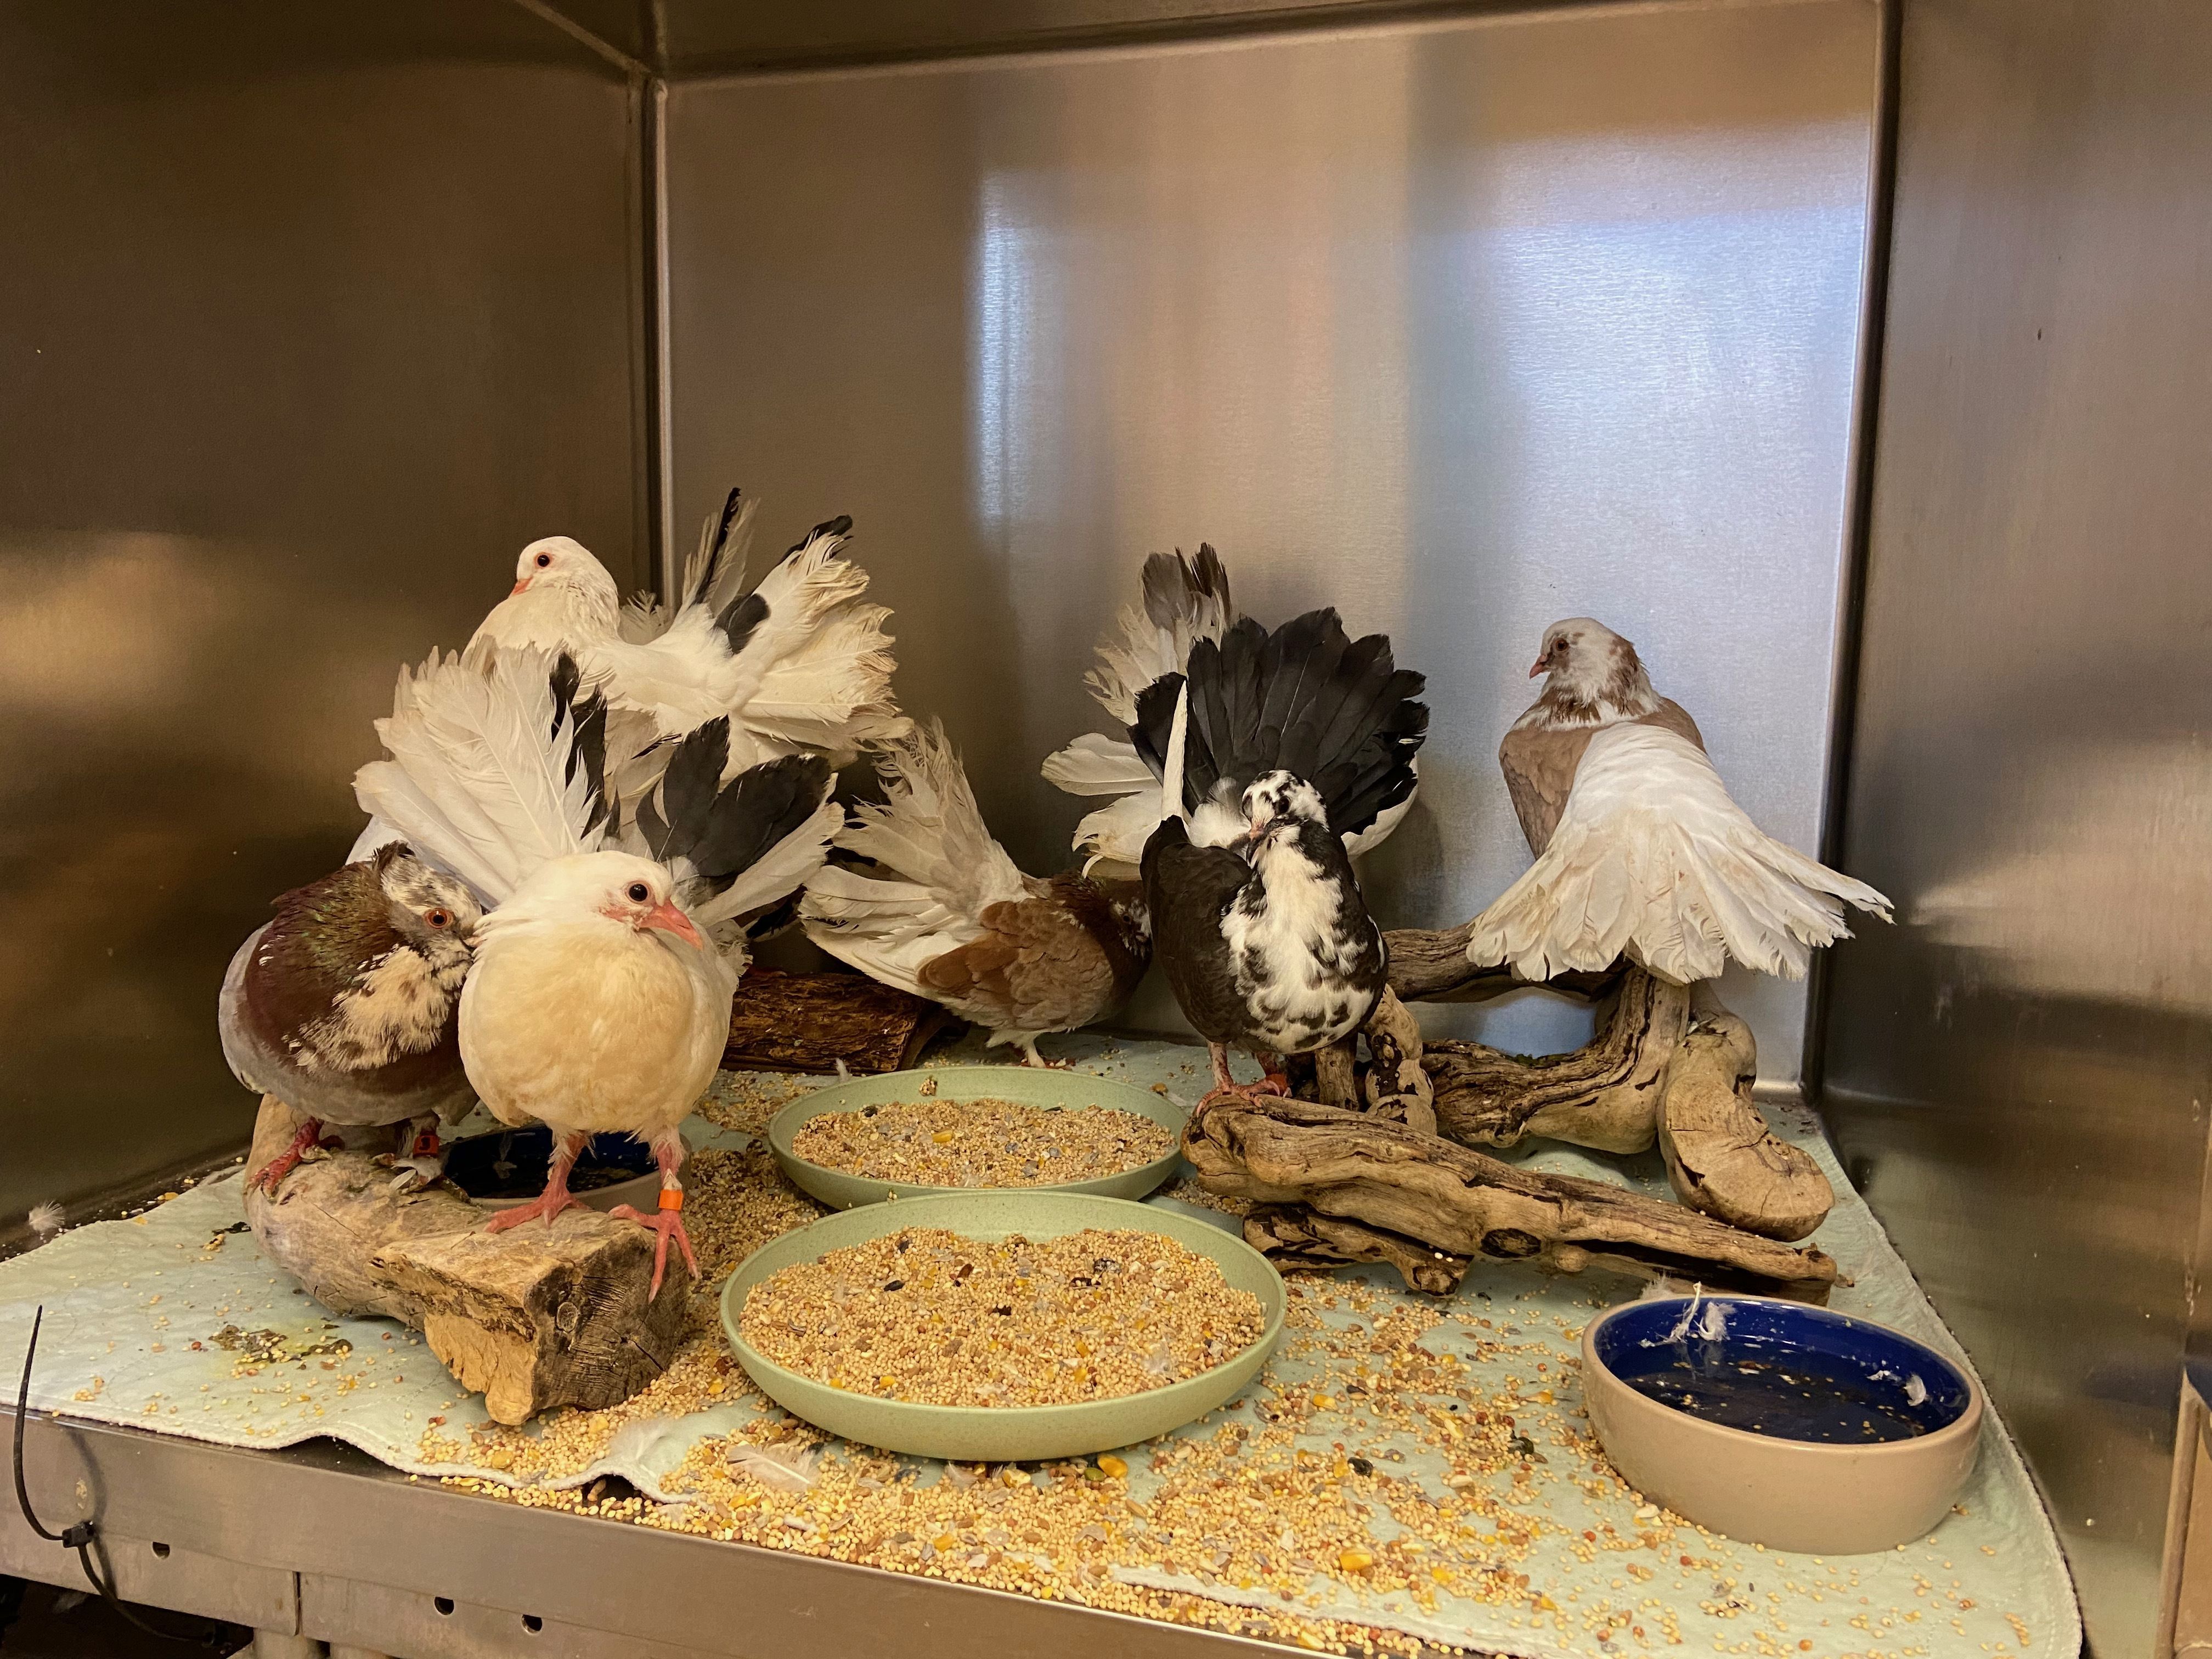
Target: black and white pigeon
(1268, 747)
(1185, 600)
(343, 1004)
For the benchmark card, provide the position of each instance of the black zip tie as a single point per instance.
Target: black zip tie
(79, 1535)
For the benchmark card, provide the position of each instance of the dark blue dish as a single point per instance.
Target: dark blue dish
(1783, 1370)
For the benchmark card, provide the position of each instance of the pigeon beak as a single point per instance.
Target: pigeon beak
(669, 918)
(1533, 672)
(522, 586)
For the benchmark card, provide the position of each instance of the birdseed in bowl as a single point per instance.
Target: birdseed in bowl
(983, 1143)
(932, 1318)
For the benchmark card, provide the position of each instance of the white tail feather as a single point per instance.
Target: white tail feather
(1652, 858)
(479, 781)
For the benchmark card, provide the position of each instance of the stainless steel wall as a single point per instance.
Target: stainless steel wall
(309, 317)
(2019, 1073)
(1461, 326)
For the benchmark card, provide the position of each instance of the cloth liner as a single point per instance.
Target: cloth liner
(173, 1322)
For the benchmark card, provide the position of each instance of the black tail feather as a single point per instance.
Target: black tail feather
(1337, 713)
(755, 810)
(587, 746)
(714, 538)
(1173, 584)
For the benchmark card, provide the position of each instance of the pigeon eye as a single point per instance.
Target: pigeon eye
(439, 918)
(545, 559)
(639, 892)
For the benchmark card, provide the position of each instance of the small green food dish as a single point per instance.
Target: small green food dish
(1028, 1084)
(1013, 1434)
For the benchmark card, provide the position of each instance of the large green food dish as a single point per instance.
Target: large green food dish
(1014, 1434)
(1028, 1084)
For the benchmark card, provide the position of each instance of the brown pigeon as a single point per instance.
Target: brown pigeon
(947, 915)
(1639, 847)
(343, 1005)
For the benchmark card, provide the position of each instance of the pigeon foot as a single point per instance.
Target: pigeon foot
(548, 1204)
(663, 1224)
(309, 1140)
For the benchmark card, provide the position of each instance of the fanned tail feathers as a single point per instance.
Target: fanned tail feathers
(1652, 858)
(938, 866)
(1185, 600)
(494, 766)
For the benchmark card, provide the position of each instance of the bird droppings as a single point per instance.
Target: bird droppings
(983, 1143)
(928, 1316)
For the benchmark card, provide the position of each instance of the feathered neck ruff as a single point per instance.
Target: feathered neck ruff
(1602, 683)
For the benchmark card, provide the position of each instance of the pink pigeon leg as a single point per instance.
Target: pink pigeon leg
(1226, 1087)
(555, 1199)
(668, 1152)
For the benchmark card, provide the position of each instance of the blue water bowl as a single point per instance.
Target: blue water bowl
(1781, 1424)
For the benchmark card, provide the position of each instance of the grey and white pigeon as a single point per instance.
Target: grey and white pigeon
(599, 998)
(946, 914)
(1185, 600)
(1268, 749)
(344, 1006)
(1639, 848)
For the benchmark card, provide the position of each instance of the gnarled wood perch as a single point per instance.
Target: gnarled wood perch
(534, 1317)
(1721, 1155)
(1604, 1094)
(1428, 964)
(1395, 1179)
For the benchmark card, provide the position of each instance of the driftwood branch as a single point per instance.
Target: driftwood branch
(1462, 1202)
(1604, 1094)
(533, 1317)
(1292, 1235)
(1426, 965)
(807, 1023)
(1721, 1155)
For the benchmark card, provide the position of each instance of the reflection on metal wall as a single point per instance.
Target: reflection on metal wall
(310, 319)
(1462, 327)
(2021, 1069)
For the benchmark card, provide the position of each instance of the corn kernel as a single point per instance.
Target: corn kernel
(1114, 1466)
(1355, 1560)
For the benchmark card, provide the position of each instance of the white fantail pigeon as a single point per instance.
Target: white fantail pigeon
(799, 663)
(343, 1005)
(599, 1000)
(1639, 850)
(1185, 600)
(1273, 744)
(947, 915)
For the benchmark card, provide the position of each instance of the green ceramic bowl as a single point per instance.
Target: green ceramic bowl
(1027, 1084)
(1013, 1434)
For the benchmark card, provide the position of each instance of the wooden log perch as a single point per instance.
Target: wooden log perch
(1721, 1155)
(1292, 1235)
(1604, 1094)
(532, 1318)
(782, 1022)
(1426, 965)
(1353, 1165)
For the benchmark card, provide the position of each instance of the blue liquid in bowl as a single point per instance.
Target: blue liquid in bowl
(1784, 1370)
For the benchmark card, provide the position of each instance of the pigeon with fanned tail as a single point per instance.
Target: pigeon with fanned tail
(599, 998)
(343, 1005)
(799, 662)
(1267, 750)
(946, 914)
(1185, 600)
(1639, 848)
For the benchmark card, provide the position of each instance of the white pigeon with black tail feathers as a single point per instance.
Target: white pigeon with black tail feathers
(944, 913)
(1640, 850)
(799, 662)
(1269, 747)
(600, 997)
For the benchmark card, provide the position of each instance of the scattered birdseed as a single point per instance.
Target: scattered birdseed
(929, 1316)
(983, 1143)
